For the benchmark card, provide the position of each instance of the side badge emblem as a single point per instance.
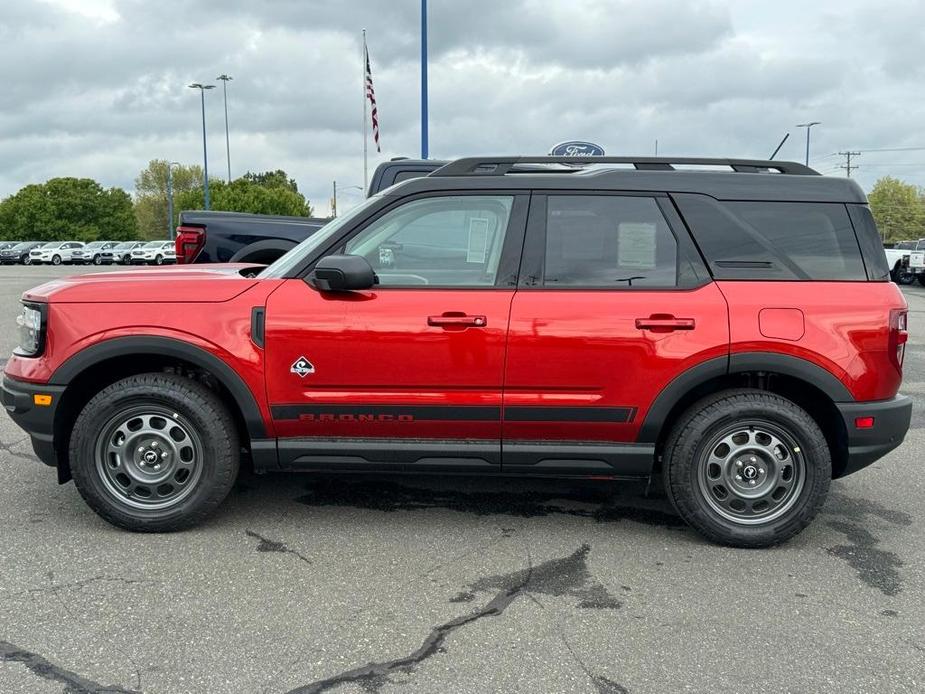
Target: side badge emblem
(303, 367)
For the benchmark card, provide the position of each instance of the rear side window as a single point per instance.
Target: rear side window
(608, 241)
(774, 240)
(870, 242)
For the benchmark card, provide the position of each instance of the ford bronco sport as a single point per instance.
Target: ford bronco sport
(733, 330)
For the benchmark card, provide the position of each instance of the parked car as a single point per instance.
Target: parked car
(6, 244)
(235, 237)
(902, 265)
(91, 253)
(19, 253)
(154, 253)
(120, 253)
(55, 252)
(733, 332)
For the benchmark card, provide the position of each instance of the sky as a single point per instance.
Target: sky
(97, 88)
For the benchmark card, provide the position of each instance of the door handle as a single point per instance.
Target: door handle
(661, 323)
(453, 319)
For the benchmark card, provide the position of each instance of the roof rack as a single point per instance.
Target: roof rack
(498, 166)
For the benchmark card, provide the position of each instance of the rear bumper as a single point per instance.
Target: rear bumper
(37, 421)
(865, 446)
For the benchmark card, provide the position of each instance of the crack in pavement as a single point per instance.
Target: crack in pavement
(73, 683)
(268, 545)
(54, 588)
(564, 576)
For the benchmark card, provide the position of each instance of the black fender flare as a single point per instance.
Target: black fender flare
(166, 346)
(281, 245)
(739, 362)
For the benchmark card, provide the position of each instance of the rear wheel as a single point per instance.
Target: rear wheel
(56, 260)
(920, 278)
(747, 468)
(902, 275)
(159, 260)
(97, 259)
(154, 453)
(27, 260)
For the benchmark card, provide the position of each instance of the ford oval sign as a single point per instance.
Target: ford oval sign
(576, 148)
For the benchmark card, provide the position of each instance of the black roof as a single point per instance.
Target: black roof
(742, 179)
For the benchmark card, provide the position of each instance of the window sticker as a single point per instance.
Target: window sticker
(636, 245)
(478, 240)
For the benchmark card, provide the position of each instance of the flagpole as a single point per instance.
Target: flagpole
(365, 124)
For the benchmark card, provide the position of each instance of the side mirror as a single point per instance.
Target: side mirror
(342, 273)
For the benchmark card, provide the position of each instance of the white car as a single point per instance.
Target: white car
(155, 253)
(55, 252)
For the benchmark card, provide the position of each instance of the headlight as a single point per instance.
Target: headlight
(31, 322)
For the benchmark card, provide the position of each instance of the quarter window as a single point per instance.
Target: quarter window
(438, 241)
(608, 241)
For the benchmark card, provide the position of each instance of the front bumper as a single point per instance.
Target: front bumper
(36, 420)
(865, 446)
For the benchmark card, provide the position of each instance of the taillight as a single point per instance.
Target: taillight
(189, 242)
(899, 335)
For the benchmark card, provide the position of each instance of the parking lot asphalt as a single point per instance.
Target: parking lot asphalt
(414, 584)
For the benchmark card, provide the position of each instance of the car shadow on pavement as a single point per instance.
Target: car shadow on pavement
(598, 500)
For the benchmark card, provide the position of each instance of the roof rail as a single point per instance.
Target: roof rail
(498, 166)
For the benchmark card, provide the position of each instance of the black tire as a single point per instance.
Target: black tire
(159, 260)
(97, 259)
(695, 478)
(901, 275)
(27, 260)
(920, 278)
(211, 436)
(56, 260)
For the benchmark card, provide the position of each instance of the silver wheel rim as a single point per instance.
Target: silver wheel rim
(751, 473)
(149, 458)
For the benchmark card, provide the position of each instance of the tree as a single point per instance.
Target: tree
(269, 193)
(898, 208)
(272, 179)
(67, 209)
(151, 195)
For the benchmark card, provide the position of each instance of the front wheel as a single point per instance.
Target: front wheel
(97, 260)
(154, 453)
(159, 260)
(27, 260)
(56, 260)
(747, 468)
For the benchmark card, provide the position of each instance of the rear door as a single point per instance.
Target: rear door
(614, 303)
(408, 374)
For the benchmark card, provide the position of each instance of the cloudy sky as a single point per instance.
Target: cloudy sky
(98, 87)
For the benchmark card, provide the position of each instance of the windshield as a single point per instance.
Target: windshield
(127, 244)
(94, 244)
(53, 244)
(154, 244)
(21, 246)
(283, 265)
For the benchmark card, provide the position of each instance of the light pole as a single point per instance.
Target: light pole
(334, 199)
(225, 80)
(171, 229)
(808, 127)
(425, 145)
(205, 155)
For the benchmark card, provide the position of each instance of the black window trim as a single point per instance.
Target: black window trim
(511, 251)
(532, 269)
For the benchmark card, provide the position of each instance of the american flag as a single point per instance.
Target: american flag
(371, 95)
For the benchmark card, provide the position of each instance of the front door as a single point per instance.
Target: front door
(614, 303)
(407, 375)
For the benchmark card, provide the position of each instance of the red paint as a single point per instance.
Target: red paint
(864, 423)
(847, 328)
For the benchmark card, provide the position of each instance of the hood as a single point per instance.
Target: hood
(182, 284)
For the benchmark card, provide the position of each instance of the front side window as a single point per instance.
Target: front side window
(437, 241)
(608, 241)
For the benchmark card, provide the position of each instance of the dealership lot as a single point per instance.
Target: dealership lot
(340, 583)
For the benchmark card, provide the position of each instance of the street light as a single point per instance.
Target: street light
(171, 229)
(808, 127)
(225, 80)
(205, 155)
(334, 199)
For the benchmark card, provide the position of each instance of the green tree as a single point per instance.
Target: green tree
(151, 195)
(272, 179)
(898, 208)
(63, 209)
(248, 195)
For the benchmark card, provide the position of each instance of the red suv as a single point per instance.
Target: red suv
(732, 329)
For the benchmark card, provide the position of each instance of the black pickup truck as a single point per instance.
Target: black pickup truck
(232, 237)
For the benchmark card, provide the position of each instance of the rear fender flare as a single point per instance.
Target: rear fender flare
(279, 245)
